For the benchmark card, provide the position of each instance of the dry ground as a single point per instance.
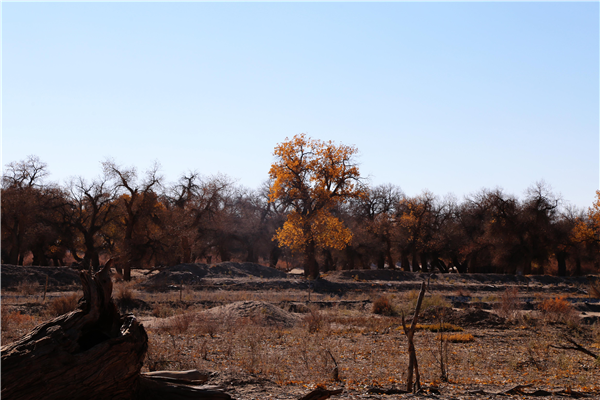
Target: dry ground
(264, 340)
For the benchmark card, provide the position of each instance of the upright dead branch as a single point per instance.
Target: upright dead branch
(410, 332)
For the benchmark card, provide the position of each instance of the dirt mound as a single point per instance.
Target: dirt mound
(226, 269)
(258, 311)
(475, 317)
(13, 275)
(376, 275)
(191, 274)
(478, 317)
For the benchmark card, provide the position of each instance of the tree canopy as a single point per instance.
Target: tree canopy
(313, 177)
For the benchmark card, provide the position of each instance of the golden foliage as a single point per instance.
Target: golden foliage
(589, 231)
(324, 229)
(312, 177)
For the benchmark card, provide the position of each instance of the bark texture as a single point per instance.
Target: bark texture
(90, 353)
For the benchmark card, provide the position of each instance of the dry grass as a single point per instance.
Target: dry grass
(369, 349)
(15, 324)
(440, 327)
(383, 306)
(28, 288)
(558, 309)
(456, 337)
(63, 304)
(509, 306)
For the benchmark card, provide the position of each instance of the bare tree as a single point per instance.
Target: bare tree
(92, 209)
(138, 198)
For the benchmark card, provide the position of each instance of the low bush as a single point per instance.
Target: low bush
(558, 309)
(383, 306)
(64, 304)
(509, 305)
(314, 320)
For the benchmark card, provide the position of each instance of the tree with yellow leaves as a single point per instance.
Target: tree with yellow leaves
(589, 230)
(313, 177)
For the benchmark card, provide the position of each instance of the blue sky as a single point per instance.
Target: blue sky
(448, 97)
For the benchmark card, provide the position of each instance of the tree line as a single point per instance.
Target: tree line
(314, 211)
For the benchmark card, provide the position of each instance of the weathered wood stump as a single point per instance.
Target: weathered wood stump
(91, 353)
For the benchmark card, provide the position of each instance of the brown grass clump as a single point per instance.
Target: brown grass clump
(314, 320)
(162, 310)
(383, 306)
(15, 324)
(509, 305)
(124, 295)
(443, 327)
(64, 304)
(558, 309)
(28, 288)
(457, 338)
(176, 325)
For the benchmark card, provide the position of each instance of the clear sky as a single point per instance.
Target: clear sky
(449, 97)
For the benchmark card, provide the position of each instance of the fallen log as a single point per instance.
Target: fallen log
(92, 352)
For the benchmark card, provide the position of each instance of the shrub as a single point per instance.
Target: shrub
(64, 304)
(383, 306)
(177, 325)
(10, 319)
(208, 324)
(161, 310)
(509, 304)
(124, 295)
(314, 320)
(28, 288)
(558, 309)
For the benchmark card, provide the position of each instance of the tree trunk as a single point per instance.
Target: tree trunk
(328, 264)
(388, 255)
(424, 265)
(187, 250)
(349, 258)
(274, 256)
(380, 260)
(404, 261)
(92, 352)
(577, 271)
(415, 262)
(311, 267)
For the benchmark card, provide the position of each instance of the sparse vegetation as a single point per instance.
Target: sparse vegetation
(383, 306)
(558, 309)
(509, 305)
(370, 349)
(63, 304)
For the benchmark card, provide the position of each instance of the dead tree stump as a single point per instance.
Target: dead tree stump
(91, 353)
